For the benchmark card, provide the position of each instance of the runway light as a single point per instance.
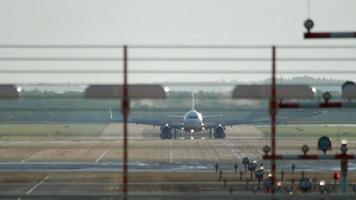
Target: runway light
(324, 144)
(322, 183)
(327, 96)
(344, 142)
(19, 89)
(166, 89)
(343, 147)
(305, 184)
(192, 130)
(266, 149)
(305, 149)
(314, 89)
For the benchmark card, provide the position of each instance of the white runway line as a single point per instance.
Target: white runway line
(34, 187)
(171, 157)
(101, 156)
(30, 158)
(170, 152)
(238, 155)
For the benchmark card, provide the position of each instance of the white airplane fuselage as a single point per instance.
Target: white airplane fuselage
(193, 121)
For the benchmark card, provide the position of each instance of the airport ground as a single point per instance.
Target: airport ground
(69, 159)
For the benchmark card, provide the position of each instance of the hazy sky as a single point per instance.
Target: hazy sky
(232, 22)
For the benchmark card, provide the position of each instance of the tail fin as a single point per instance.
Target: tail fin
(193, 98)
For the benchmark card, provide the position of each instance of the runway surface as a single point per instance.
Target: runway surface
(162, 167)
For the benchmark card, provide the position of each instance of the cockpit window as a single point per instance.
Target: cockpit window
(193, 117)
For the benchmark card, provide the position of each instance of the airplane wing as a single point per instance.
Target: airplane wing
(176, 116)
(226, 123)
(147, 122)
(211, 116)
(239, 122)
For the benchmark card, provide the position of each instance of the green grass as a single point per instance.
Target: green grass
(313, 131)
(9, 132)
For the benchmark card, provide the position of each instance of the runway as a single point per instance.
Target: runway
(137, 166)
(157, 167)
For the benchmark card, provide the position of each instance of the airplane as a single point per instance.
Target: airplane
(193, 122)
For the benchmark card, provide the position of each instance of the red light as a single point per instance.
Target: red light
(336, 175)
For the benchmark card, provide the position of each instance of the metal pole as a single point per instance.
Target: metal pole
(344, 163)
(273, 108)
(125, 112)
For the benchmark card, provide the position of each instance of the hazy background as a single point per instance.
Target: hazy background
(176, 22)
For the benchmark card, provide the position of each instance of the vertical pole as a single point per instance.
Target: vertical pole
(125, 112)
(344, 163)
(273, 108)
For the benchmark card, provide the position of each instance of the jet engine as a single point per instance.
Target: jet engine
(166, 132)
(219, 131)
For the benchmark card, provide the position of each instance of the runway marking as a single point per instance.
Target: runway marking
(238, 155)
(34, 187)
(102, 155)
(171, 157)
(170, 152)
(34, 155)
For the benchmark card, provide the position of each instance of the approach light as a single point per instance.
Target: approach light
(314, 89)
(308, 24)
(322, 186)
(343, 142)
(324, 144)
(266, 149)
(251, 167)
(327, 96)
(305, 149)
(19, 89)
(305, 184)
(343, 147)
(245, 161)
(322, 183)
(166, 89)
(259, 174)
